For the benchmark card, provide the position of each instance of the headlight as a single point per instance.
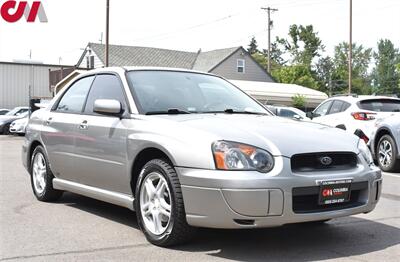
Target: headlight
(364, 151)
(236, 156)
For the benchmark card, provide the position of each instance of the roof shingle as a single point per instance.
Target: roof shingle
(147, 56)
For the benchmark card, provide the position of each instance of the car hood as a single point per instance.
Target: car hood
(280, 136)
(7, 119)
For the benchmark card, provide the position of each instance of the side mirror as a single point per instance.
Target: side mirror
(107, 107)
(310, 115)
(297, 117)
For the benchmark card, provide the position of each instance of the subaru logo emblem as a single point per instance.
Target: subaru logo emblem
(325, 160)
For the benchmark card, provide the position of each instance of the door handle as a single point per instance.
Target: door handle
(83, 125)
(48, 121)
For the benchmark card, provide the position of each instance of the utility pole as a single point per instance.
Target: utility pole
(350, 45)
(269, 9)
(107, 31)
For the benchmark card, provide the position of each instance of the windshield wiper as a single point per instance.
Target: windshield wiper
(231, 111)
(170, 111)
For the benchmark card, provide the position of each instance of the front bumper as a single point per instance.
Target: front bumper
(17, 129)
(243, 199)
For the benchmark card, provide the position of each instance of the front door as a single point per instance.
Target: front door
(101, 147)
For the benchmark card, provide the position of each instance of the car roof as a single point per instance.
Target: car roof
(355, 99)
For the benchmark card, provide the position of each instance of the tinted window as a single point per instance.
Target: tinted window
(286, 113)
(322, 109)
(105, 87)
(336, 107)
(162, 90)
(74, 98)
(345, 106)
(381, 105)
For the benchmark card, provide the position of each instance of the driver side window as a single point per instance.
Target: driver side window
(323, 109)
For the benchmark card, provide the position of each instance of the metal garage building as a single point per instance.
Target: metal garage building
(21, 80)
(278, 93)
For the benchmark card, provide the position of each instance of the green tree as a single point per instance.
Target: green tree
(361, 82)
(261, 59)
(324, 69)
(253, 46)
(385, 76)
(303, 44)
(299, 101)
(295, 74)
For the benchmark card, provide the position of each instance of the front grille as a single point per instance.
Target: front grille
(305, 199)
(313, 161)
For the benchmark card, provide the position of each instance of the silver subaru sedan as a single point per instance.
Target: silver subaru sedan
(186, 149)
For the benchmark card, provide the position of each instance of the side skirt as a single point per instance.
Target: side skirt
(94, 192)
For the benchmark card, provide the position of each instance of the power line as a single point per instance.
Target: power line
(167, 34)
(269, 9)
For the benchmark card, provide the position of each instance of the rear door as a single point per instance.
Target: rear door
(101, 147)
(59, 128)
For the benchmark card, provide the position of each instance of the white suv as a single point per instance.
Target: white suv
(355, 112)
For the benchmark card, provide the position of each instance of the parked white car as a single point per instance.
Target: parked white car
(355, 112)
(19, 126)
(288, 112)
(4, 111)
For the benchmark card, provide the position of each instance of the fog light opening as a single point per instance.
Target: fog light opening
(244, 222)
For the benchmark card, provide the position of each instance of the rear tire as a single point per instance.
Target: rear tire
(386, 153)
(42, 177)
(159, 205)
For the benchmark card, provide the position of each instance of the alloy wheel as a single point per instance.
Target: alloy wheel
(385, 153)
(155, 203)
(39, 173)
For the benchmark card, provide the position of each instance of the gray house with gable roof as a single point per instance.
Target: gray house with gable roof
(232, 63)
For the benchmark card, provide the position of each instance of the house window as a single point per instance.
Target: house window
(240, 65)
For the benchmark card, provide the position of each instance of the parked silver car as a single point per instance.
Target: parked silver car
(188, 149)
(385, 143)
(8, 118)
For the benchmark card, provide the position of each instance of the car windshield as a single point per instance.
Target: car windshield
(173, 92)
(16, 111)
(381, 105)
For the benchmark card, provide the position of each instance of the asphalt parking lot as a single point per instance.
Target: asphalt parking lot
(81, 229)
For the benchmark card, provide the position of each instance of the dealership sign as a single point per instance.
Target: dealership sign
(13, 11)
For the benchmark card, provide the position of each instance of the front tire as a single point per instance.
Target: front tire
(6, 130)
(42, 177)
(159, 205)
(386, 153)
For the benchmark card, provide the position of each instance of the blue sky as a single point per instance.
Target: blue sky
(190, 25)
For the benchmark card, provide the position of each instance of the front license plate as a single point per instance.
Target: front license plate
(334, 192)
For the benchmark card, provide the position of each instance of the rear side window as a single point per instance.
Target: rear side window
(345, 106)
(105, 87)
(380, 105)
(336, 107)
(74, 98)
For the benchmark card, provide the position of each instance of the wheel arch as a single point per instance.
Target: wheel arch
(144, 156)
(379, 134)
(32, 147)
